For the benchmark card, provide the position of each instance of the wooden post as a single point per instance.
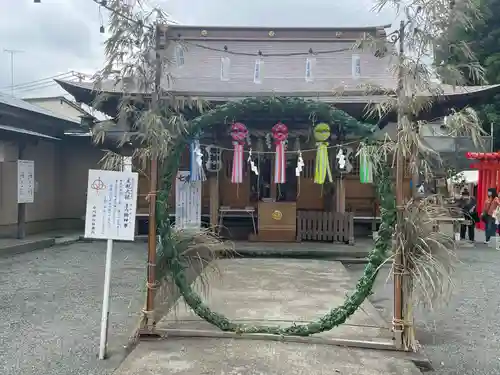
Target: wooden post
(340, 196)
(213, 188)
(21, 207)
(397, 323)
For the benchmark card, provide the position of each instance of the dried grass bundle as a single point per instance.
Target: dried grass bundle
(428, 259)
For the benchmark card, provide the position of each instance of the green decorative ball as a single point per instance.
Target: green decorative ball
(321, 132)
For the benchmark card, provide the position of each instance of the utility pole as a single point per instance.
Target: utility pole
(12, 53)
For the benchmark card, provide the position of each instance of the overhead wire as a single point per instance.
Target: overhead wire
(41, 80)
(35, 86)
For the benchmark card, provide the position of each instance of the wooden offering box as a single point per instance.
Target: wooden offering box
(277, 221)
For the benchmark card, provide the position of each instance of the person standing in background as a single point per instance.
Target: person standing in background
(468, 206)
(489, 208)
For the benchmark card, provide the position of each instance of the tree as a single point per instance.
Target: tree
(482, 39)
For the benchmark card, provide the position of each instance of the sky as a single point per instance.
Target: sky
(59, 36)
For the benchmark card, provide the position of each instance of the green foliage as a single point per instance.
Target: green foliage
(279, 107)
(482, 38)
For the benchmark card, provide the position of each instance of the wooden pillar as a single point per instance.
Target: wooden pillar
(213, 188)
(21, 207)
(480, 195)
(340, 196)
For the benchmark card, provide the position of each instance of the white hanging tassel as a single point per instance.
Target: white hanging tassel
(253, 167)
(300, 165)
(269, 142)
(341, 162)
(196, 165)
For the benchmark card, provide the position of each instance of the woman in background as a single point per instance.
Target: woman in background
(489, 208)
(468, 206)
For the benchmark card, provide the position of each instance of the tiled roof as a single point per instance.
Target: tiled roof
(27, 132)
(349, 96)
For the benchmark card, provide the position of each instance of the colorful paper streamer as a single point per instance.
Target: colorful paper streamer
(365, 168)
(280, 135)
(322, 168)
(239, 134)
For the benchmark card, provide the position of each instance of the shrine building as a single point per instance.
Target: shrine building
(283, 92)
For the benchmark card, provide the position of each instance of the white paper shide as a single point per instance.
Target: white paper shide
(111, 205)
(25, 181)
(187, 202)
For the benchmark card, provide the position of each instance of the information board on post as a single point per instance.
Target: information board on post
(25, 181)
(111, 205)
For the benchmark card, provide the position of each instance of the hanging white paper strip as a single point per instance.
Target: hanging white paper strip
(225, 67)
(179, 55)
(356, 66)
(257, 73)
(310, 65)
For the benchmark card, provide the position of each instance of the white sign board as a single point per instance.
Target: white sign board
(25, 181)
(111, 205)
(187, 202)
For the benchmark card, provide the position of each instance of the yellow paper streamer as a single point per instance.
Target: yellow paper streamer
(322, 167)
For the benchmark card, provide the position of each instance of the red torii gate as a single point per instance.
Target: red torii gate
(488, 164)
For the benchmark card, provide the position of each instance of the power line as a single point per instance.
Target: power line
(38, 86)
(42, 80)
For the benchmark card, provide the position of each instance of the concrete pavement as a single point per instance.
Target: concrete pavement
(241, 357)
(272, 292)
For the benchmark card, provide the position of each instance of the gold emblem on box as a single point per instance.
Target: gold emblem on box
(277, 215)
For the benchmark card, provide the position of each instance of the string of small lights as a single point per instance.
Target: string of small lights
(226, 50)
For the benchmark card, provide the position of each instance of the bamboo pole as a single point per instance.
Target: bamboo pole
(153, 187)
(398, 327)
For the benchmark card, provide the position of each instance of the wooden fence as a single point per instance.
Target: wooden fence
(325, 226)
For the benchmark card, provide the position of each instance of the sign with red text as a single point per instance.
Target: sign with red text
(111, 205)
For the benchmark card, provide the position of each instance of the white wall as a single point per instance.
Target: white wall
(58, 107)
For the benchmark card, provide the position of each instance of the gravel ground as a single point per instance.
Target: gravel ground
(462, 337)
(50, 308)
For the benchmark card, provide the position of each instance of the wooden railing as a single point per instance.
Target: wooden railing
(325, 226)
